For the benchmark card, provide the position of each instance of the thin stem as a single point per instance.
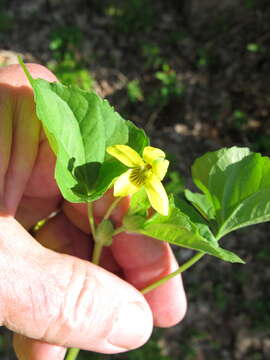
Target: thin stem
(72, 354)
(91, 219)
(97, 245)
(118, 230)
(97, 253)
(26, 71)
(111, 208)
(181, 269)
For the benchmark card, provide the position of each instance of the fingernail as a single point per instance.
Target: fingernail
(133, 326)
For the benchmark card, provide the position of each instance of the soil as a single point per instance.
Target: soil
(221, 58)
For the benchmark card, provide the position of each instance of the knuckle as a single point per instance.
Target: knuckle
(77, 306)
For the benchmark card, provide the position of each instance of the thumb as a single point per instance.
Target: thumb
(62, 300)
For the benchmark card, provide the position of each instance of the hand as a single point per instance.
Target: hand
(53, 300)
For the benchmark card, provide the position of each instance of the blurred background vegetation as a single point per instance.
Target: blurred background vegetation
(195, 74)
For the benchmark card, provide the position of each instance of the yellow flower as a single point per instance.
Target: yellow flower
(147, 171)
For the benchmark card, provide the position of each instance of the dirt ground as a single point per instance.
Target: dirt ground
(221, 60)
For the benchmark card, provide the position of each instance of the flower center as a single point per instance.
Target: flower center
(138, 175)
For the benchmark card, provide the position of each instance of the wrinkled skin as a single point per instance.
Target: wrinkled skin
(51, 296)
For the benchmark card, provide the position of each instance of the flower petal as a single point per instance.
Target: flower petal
(151, 153)
(157, 195)
(123, 185)
(126, 155)
(160, 167)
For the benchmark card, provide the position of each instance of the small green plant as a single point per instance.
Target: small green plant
(166, 85)
(106, 151)
(206, 57)
(255, 48)
(134, 91)
(70, 72)
(152, 55)
(67, 65)
(239, 118)
(169, 87)
(65, 41)
(168, 79)
(203, 58)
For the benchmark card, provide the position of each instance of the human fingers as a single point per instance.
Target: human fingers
(26, 349)
(143, 261)
(62, 300)
(27, 184)
(60, 235)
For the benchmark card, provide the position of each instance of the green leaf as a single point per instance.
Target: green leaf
(201, 225)
(202, 203)
(139, 203)
(178, 235)
(220, 172)
(253, 210)
(175, 216)
(137, 138)
(237, 185)
(133, 223)
(265, 179)
(190, 211)
(241, 187)
(80, 126)
(201, 169)
(178, 229)
(243, 180)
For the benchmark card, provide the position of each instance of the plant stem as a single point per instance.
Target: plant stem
(181, 269)
(111, 208)
(26, 71)
(72, 354)
(97, 253)
(91, 219)
(97, 245)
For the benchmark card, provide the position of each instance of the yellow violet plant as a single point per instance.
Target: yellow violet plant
(147, 171)
(96, 149)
